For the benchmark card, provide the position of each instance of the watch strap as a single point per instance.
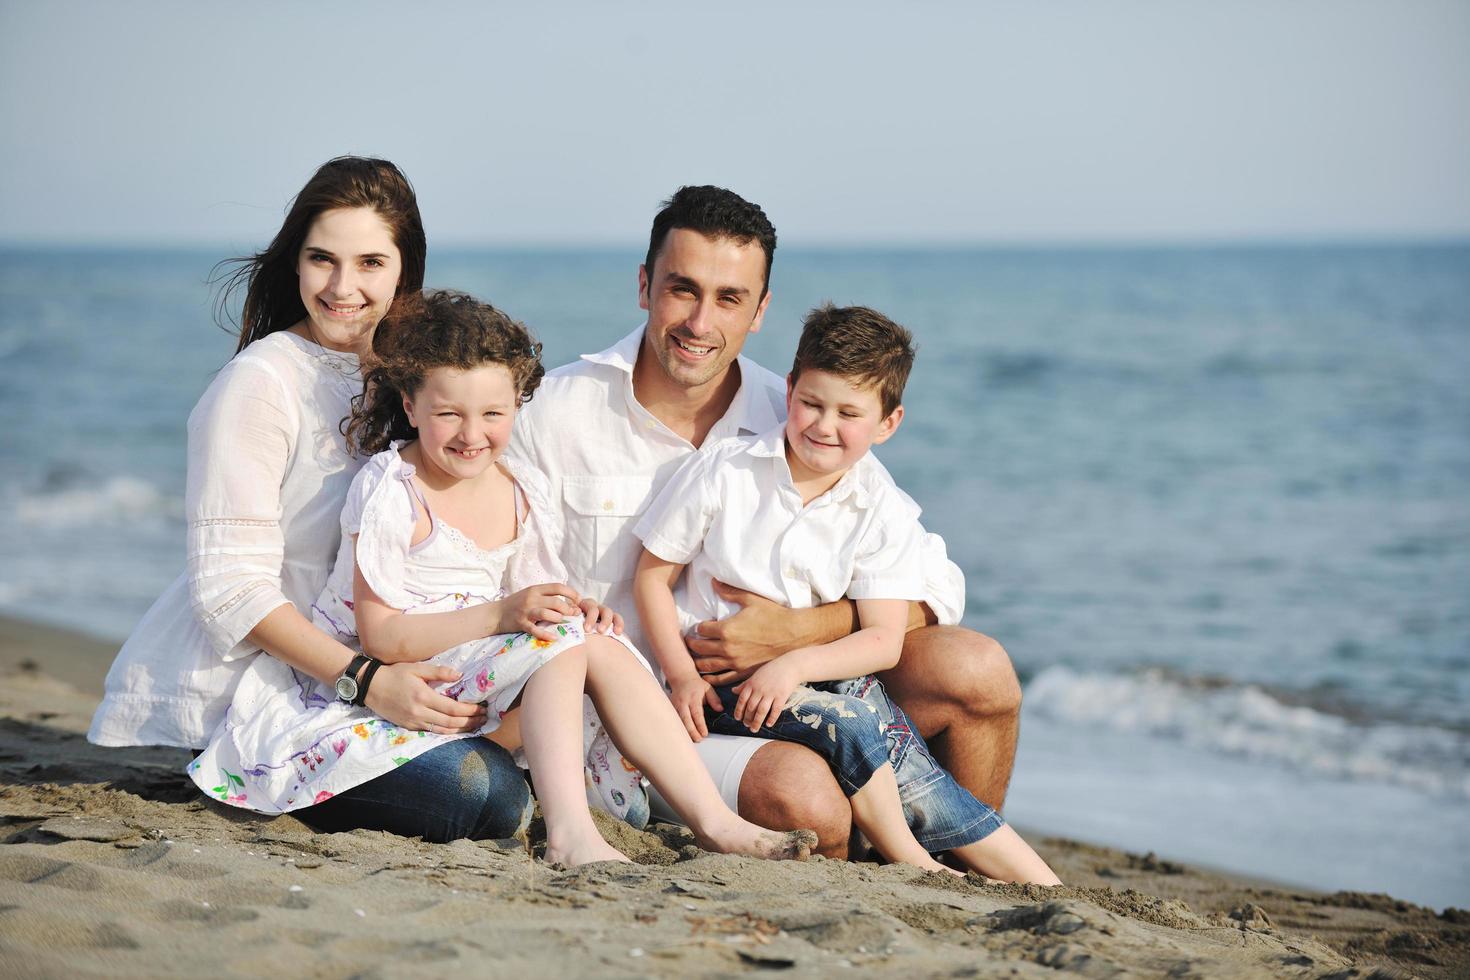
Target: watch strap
(354, 667)
(366, 680)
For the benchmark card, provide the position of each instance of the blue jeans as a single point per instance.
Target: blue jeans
(468, 788)
(857, 727)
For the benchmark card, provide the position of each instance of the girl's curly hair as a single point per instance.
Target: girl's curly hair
(427, 330)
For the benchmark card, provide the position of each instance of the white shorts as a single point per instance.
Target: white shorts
(725, 756)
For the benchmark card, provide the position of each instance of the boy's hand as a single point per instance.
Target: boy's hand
(763, 697)
(526, 610)
(599, 618)
(690, 695)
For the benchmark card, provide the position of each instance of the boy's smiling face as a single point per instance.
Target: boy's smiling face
(831, 422)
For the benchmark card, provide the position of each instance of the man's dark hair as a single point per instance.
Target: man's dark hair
(859, 344)
(715, 213)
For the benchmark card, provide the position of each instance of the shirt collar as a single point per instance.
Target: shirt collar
(751, 410)
(855, 483)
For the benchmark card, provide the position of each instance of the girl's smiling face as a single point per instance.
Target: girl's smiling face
(463, 418)
(348, 269)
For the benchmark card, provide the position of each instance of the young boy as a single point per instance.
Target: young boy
(804, 515)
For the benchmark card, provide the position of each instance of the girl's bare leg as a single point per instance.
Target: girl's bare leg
(1004, 855)
(646, 730)
(878, 813)
(551, 727)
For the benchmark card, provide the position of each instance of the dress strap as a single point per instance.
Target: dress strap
(415, 494)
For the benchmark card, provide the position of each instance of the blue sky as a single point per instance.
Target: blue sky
(852, 122)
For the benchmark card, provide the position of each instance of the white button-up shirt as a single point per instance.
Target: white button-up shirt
(607, 457)
(732, 512)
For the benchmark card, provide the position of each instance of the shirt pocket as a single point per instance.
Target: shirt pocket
(601, 512)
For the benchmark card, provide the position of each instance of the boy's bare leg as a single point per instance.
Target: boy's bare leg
(959, 688)
(551, 724)
(878, 812)
(1004, 855)
(648, 732)
(785, 786)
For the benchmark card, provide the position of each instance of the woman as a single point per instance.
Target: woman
(268, 474)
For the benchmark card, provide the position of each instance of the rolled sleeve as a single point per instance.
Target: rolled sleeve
(675, 524)
(944, 583)
(241, 438)
(889, 564)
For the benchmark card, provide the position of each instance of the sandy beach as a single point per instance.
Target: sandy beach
(114, 865)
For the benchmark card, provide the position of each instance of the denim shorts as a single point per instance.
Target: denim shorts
(857, 727)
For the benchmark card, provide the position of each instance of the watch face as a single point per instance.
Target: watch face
(346, 688)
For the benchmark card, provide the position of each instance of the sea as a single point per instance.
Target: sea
(1214, 501)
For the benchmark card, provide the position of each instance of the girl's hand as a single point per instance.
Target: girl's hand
(764, 695)
(690, 694)
(400, 693)
(599, 618)
(526, 610)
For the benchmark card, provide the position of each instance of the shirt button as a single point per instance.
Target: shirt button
(607, 505)
(649, 424)
(791, 573)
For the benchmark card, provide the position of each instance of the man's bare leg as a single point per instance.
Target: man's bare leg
(959, 688)
(786, 786)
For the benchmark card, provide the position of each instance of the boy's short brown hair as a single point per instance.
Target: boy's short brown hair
(859, 344)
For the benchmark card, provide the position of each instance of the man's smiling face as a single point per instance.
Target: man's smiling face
(703, 297)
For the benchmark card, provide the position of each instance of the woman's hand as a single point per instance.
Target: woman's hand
(600, 618)
(401, 693)
(764, 695)
(526, 610)
(690, 694)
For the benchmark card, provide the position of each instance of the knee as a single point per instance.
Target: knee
(792, 789)
(994, 676)
(978, 674)
(493, 790)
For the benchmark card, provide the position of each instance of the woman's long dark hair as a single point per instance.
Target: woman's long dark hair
(272, 291)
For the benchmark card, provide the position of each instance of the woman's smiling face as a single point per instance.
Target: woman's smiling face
(348, 269)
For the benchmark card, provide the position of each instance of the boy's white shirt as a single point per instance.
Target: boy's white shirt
(733, 513)
(607, 457)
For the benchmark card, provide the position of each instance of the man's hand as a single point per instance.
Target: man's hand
(600, 618)
(764, 695)
(730, 649)
(690, 695)
(400, 693)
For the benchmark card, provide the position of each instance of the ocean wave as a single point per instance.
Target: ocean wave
(116, 500)
(1249, 722)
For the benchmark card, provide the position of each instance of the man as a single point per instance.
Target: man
(612, 428)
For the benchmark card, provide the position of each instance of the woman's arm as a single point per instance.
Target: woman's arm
(399, 694)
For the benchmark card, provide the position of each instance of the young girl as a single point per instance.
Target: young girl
(450, 556)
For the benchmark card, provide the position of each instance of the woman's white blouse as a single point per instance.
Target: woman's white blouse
(268, 473)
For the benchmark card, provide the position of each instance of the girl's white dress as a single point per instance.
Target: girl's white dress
(287, 742)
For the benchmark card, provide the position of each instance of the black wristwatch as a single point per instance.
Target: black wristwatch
(347, 686)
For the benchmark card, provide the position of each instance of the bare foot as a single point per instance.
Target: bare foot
(584, 850)
(743, 837)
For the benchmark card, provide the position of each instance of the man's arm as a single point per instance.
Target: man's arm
(729, 650)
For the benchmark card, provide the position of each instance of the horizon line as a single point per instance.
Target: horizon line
(1099, 243)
